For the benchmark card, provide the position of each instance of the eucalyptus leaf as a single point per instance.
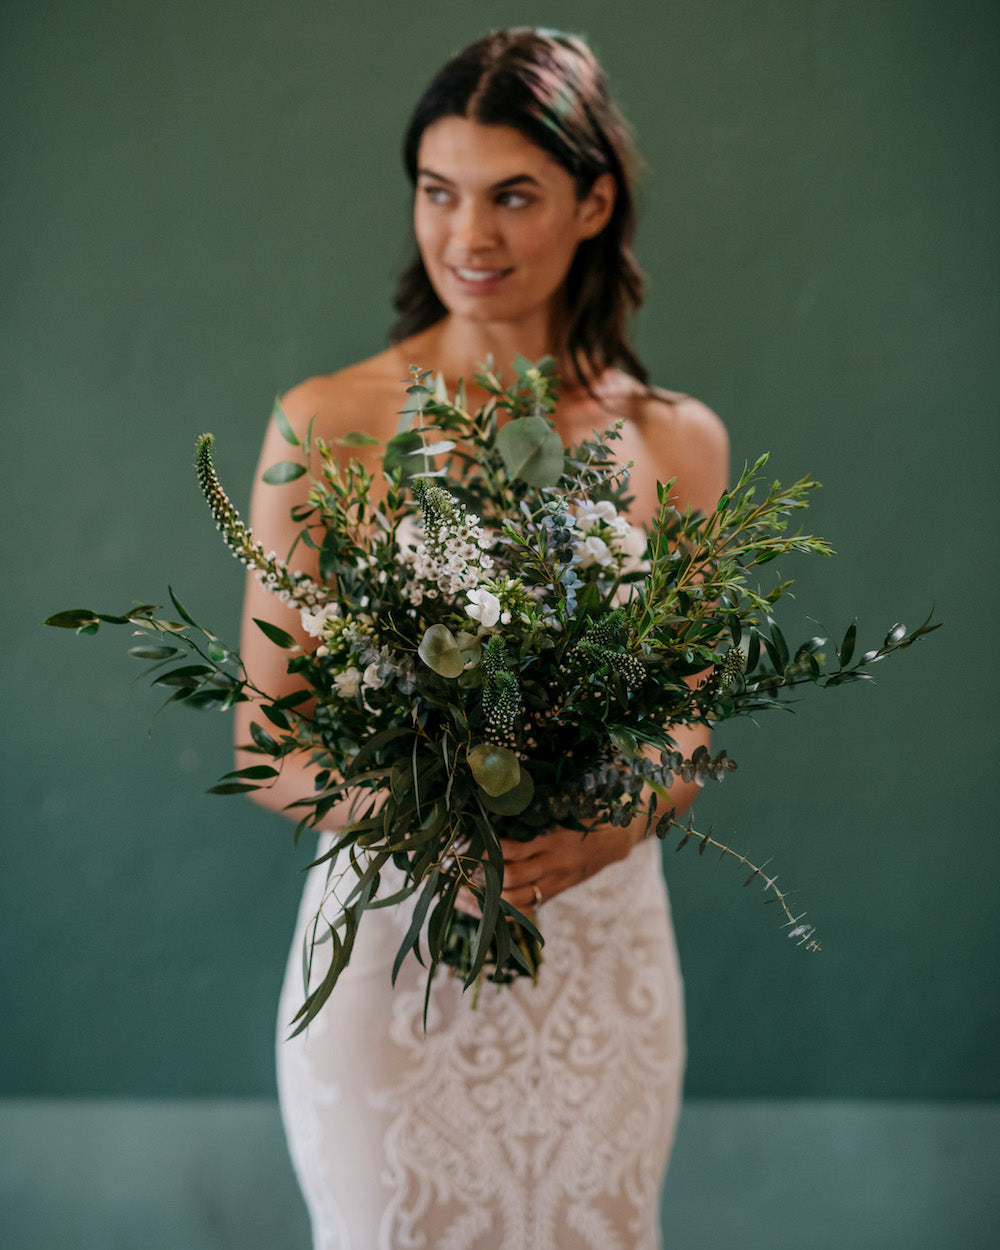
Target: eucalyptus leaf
(398, 452)
(280, 637)
(416, 922)
(434, 449)
(186, 675)
(184, 614)
(275, 715)
(372, 746)
(283, 424)
(846, 651)
(514, 801)
(495, 768)
(153, 653)
(531, 451)
(490, 903)
(256, 772)
(329, 556)
(74, 618)
(357, 438)
(780, 646)
(283, 472)
(440, 651)
(293, 699)
(263, 739)
(439, 924)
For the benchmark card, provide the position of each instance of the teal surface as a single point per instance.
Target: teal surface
(203, 203)
(746, 1175)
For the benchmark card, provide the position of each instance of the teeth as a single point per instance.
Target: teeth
(478, 275)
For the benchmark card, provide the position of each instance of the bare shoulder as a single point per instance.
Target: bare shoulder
(364, 396)
(675, 436)
(692, 443)
(685, 421)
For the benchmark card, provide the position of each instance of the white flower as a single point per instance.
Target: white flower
(371, 679)
(315, 622)
(348, 682)
(483, 607)
(633, 542)
(589, 514)
(592, 550)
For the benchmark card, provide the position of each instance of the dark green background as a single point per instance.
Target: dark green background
(203, 203)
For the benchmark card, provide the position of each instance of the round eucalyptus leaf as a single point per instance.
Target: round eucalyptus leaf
(513, 801)
(471, 647)
(496, 769)
(440, 651)
(532, 451)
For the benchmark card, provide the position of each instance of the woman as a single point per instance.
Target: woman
(542, 1118)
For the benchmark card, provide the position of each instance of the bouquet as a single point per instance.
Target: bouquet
(486, 595)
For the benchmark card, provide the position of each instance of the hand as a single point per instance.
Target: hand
(536, 871)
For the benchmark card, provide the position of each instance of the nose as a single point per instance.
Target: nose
(473, 226)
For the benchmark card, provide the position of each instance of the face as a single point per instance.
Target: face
(498, 220)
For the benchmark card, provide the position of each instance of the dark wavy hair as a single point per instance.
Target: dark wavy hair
(550, 87)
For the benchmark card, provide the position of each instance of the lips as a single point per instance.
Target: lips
(478, 276)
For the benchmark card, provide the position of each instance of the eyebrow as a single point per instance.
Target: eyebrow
(502, 185)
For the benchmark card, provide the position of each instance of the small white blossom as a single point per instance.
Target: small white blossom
(371, 679)
(315, 622)
(483, 607)
(348, 682)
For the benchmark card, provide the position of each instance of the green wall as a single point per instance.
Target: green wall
(203, 204)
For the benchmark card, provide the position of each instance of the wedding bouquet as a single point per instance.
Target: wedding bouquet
(484, 596)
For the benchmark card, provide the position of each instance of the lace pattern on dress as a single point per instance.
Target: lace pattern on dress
(541, 1119)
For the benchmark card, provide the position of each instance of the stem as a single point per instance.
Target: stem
(801, 934)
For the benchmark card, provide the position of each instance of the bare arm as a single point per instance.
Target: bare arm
(332, 407)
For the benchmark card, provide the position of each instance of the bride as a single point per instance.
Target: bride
(542, 1118)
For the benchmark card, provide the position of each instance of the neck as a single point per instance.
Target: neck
(458, 348)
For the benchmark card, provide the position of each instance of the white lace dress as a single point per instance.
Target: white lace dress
(541, 1119)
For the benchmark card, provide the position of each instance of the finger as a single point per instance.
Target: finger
(526, 898)
(513, 850)
(518, 875)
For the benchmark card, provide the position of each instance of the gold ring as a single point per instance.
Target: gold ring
(536, 894)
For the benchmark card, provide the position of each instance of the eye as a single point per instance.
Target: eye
(435, 194)
(513, 199)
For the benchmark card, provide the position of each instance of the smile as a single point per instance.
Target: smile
(479, 275)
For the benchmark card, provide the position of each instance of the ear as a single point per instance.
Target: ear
(595, 209)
